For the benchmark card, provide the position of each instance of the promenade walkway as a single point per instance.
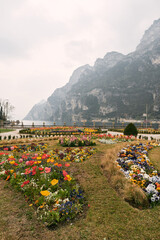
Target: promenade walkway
(150, 136)
(11, 133)
(17, 135)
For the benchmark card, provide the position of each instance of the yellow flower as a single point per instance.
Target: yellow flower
(30, 205)
(68, 177)
(11, 171)
(54, 182)
(12, 162)
(45, 193)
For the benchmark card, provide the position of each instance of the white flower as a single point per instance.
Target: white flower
(155, 179)
(3, 172)
(151, 189)
(146, 176)
(66, 200)
(155, 198)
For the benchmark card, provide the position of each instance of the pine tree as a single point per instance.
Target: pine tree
(130, 130)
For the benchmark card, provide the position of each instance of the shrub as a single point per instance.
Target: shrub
(130, 129)
(9, 137)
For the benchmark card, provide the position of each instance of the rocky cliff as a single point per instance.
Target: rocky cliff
(116, 86)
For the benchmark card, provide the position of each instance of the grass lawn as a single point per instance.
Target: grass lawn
(108, 215)
(2, 130)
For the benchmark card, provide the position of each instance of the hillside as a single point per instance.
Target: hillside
(116, 86)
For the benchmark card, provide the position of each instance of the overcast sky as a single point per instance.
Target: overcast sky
(43, 41)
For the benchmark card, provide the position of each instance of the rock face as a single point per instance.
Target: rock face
(116, 86)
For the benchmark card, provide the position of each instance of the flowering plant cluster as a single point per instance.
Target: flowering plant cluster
(45, 181)
(59, 131)
(32, 147)
(89, 130)
(72, 141)
(111, 139)
(51, 130)
(137, 167)
(149, 130)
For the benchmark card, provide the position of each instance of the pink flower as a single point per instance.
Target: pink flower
(2, 162)
(47, 169)
(12, 148)
(20, 160)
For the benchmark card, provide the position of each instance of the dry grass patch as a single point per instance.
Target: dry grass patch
(154, 156)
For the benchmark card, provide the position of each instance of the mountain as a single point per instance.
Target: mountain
(117, 86)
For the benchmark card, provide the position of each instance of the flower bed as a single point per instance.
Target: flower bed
(44, 131)
(76, 141)
(51, 131)
(23, 147)
(137, 167)
(148, 131)
(111, 139)
(45, 181)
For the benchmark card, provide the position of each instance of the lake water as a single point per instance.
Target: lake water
(36, 123)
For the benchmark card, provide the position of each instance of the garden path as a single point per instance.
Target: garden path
(154, 136)
(12, 133)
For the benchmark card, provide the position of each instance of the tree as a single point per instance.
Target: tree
(5, 109)
(130, 129)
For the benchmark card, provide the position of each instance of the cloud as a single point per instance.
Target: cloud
(43, 42)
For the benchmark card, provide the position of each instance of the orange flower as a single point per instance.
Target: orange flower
(8, 178)
(45, 193)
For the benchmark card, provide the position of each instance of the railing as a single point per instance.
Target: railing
(113, 125)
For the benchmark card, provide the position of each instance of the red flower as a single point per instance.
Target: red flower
(40, 169)
(34, 168)
(24, 183)
(65, 173)
(67, 164)
(27, 171)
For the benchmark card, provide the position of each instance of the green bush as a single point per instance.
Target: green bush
(130, 129)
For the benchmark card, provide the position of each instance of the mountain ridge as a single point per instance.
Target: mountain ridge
(116, 86)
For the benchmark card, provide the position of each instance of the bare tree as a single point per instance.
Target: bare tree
(6, 108)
